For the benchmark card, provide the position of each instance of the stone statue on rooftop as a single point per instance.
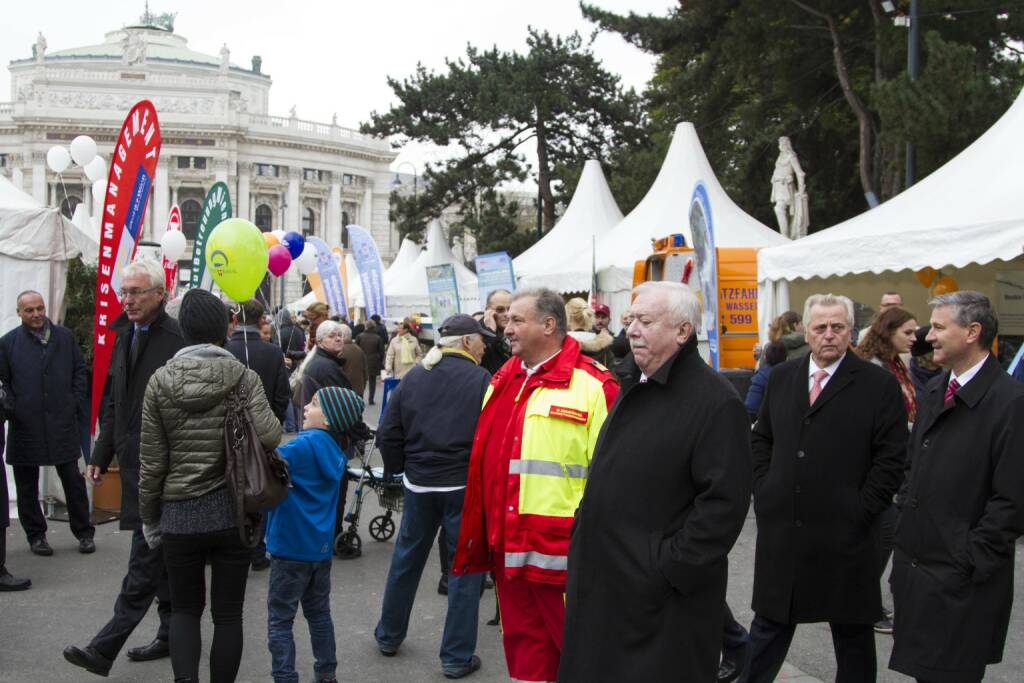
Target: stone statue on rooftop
(134, 49)
(789, 193)
(225, 57)
(39, 49)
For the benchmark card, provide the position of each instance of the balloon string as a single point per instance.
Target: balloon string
(245, 335)
(63, 237)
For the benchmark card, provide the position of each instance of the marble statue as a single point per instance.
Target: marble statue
(225, 56)
(789, 194)
(39, 49)
(134, 49)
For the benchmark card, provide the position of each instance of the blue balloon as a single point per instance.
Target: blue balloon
(295, 243)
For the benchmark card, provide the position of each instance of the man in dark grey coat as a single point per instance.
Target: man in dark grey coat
(265, 358)
(962, 506)
(146, 339)
(647, 576)
(8, 582)
(828, 446)
(42, 368)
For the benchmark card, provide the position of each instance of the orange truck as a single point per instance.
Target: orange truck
(737, 292)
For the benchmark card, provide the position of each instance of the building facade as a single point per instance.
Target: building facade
(283, 172)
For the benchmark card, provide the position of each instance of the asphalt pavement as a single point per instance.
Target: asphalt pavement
(73, 594)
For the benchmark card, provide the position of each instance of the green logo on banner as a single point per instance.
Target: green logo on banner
(216, 208)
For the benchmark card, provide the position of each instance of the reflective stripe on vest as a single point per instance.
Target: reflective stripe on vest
(535, 559)
(548, 467)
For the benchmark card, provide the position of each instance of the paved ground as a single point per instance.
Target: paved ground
(73, 595)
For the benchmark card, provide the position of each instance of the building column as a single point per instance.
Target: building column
(220, 167)
(244, 208)
(39, 177)
(332, 221)
(174, 196)
(293, 220)
(161, 197)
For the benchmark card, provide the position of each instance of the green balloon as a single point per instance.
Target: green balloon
(236, 255)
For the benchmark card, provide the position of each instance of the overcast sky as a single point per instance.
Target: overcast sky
(326, 57)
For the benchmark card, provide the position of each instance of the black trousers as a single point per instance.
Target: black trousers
(769, 642)
(186, 556)
(734, 637)
(3, 546)
(146, 579)
(371, 383)
(30, 512)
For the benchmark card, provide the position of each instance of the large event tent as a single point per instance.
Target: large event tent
(665, 210)
(969, 211)
(36, 243)
(406, 256)
(563, 259)
(407, 292)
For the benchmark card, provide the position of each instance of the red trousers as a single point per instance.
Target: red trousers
(532, 622)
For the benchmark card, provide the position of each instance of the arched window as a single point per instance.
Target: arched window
(190, 210)
(67, 207)
(308, 222)
(264, 218)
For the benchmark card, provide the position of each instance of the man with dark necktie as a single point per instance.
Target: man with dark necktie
(146, 339)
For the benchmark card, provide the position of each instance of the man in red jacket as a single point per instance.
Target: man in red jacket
(529, 463)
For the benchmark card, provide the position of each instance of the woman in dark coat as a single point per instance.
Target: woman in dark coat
(370, 341)
(647, 574)
(773, 354)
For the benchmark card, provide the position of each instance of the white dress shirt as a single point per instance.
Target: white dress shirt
(968, 375)
(812, 367)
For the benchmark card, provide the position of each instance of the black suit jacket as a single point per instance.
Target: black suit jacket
(267, 361)
(822, 475)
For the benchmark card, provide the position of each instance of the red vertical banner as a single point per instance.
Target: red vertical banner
(171, 267)
(132, 169)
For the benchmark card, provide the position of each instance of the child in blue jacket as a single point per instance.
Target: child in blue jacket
(300, 534)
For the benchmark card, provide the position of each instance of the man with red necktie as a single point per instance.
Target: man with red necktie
(961, 508)
(828, 450)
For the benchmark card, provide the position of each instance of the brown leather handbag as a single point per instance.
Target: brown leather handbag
(257, 478)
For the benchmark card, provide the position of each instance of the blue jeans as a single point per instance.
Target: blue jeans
(422, 515)
(292, 418)
(291, 582)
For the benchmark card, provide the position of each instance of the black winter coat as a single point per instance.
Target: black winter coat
(46, 386)
(267, 361)
(121, 427)
(323, 370)
(427, 430)
(5, 502)
(822, 475)
(961, 510)
(647, 575)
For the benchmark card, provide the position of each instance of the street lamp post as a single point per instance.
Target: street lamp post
(397, 182)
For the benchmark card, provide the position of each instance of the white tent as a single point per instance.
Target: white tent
(407, 293)
(563, 259)
(971, 210)
(406, 256)
(665, 210)
(35, 244)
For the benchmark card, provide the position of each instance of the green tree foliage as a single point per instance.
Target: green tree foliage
(80, 305)
(555, 97)
(831, 74)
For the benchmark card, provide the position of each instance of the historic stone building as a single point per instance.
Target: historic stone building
(283, 172)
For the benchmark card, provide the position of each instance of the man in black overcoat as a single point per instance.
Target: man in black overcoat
(146, 339)
(828, 445)
(264, 358)
(44, 373)
(961, 508)
(8, 582)
(647, 573)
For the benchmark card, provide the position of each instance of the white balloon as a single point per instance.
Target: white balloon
(173, 244)
(83, 150)
(99, 194)
(278, 234)
(307, 260)
(96, 169)
(58, 159)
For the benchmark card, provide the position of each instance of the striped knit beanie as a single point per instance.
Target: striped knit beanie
(342, 407)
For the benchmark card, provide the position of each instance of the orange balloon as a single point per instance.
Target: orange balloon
(270, 239)
(926, 276)
(945, 285)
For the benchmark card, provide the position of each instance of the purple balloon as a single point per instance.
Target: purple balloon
(278, 260)
(295, 243)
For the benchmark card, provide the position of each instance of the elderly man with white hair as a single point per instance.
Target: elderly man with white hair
(648, 566)
(426, 434)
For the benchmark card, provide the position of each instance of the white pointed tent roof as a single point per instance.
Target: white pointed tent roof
(665, 209)
(407, 293)
(406, 256)
(563, 259)
(971, 210)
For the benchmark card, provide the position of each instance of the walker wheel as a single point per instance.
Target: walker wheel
(382, 527)
(348, 545)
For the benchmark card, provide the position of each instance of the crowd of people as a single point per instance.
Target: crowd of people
(516, 439)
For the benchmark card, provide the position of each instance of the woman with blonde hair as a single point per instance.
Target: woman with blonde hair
(580, 321)
(404, 351)
(788, 328)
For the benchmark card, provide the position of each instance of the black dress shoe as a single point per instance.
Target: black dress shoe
(260, 563)
(729, 670)
(11, 583)
(158, 649)
(89, 659)
(442, 585)
(40, 547)
(86, 546)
